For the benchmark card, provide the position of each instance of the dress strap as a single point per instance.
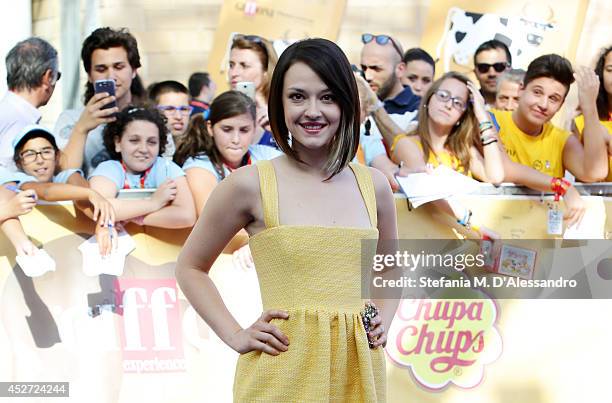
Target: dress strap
(366, 186)
(269, 193)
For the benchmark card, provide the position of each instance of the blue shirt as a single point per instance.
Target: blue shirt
(256, 151)
(404, 102)
(7, 176)
(267, 139)
(161, 170)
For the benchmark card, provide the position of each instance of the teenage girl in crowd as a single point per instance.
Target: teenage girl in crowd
(451, 113)
(212, 149)
(307, 213)
(252, 59)
(135, 141)
(37, 159)
(603, 103)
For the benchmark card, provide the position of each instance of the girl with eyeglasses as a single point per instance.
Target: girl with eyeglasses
(135, 141)
(454, 129)
(252, 59)
(37, 159)
(307, 213)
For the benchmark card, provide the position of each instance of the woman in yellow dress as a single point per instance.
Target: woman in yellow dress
(307, 213)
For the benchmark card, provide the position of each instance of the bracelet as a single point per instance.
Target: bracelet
(486, 138)
(559, 187)
(489, 142)
(465, 221)
(484, 126)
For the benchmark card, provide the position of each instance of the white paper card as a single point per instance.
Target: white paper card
(37, 264)
(95, 264)
(442, 183)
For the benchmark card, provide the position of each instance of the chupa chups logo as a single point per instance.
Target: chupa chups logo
(445, 341)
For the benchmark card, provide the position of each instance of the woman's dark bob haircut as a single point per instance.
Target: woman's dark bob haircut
(328, 61)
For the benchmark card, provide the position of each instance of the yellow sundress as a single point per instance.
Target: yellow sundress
(314, 273)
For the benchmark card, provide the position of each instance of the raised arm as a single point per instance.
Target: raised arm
(588, 163)
(230, 207)
(488, 166)
(92, 116)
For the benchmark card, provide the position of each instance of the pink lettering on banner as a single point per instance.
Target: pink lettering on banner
(150, 330)
(445, 342)
(250, 8)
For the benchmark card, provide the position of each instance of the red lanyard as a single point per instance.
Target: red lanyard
(143, 177)
(245, 161)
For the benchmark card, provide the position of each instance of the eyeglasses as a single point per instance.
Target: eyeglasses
(171, 110)
(381, 40)
(499, 67)
(29, 156)
(445, 96)
(57, 76)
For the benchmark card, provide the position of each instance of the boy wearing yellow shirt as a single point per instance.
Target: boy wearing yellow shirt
(531, 139)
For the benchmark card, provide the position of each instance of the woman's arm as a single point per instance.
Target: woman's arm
(201, 183)
(488, 168)
(229, 209)
(387, 245)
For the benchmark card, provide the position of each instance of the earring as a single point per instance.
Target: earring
(290, 140)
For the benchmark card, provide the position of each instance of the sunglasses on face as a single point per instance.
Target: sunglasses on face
(445, 96)
(484, 67)
(381, 40)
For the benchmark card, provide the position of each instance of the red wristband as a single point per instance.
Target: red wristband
(559, 187)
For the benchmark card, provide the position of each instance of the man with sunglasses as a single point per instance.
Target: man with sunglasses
(383, 68)
(31, 75)
(172, 100)
(491, 60)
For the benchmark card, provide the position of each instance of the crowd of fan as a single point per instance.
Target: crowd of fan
(180, 141)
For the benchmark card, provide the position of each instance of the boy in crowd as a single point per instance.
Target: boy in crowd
(531, 139)
(491, 59)
(202, 90)
(508, 86)
(172, 99)
(106, 54)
